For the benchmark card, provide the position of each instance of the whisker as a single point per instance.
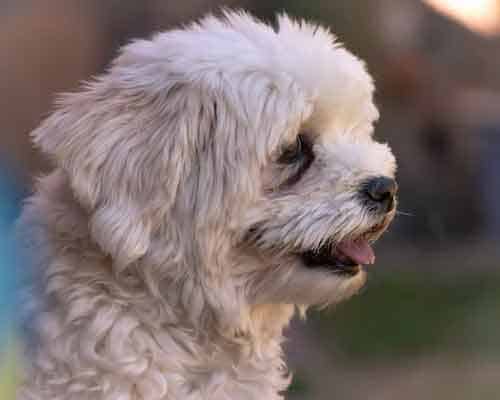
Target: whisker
(405, 214)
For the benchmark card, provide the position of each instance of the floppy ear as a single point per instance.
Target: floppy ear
(124, 152)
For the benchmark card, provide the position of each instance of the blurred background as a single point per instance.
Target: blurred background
(428, 323)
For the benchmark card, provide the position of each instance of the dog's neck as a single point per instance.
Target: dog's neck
(129, 339)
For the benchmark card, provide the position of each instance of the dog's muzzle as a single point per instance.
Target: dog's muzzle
(378, 195)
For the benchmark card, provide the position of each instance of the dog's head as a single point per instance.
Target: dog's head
(231, 164)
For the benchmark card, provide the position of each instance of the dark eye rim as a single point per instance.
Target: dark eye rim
(293, 154)
(302, 162)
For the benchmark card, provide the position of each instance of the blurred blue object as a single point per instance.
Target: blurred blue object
(489, 179)
(11, 265)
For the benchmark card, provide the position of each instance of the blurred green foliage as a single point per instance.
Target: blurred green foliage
(404, 314)
(299, 385)
(8, 370)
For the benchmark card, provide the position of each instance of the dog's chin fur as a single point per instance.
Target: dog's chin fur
(167, 241)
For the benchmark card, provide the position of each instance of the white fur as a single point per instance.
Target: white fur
(164, 165)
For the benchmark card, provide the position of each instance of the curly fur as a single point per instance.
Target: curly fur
(166, 238)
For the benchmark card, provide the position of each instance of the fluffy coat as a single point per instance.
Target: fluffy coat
(165, 240)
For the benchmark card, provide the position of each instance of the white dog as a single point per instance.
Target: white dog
(212, 181)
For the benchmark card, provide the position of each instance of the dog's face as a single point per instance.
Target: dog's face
(231, 163)
(327, 190)
(326, 197)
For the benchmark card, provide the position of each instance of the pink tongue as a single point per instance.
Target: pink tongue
(359, 251)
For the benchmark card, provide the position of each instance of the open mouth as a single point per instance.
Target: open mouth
(344, 258)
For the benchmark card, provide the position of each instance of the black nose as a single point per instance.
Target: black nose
(380, 191)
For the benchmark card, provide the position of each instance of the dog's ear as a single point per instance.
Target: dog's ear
(124, 152)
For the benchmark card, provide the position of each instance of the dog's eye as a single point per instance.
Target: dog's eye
(296, 160)
(293, 153)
